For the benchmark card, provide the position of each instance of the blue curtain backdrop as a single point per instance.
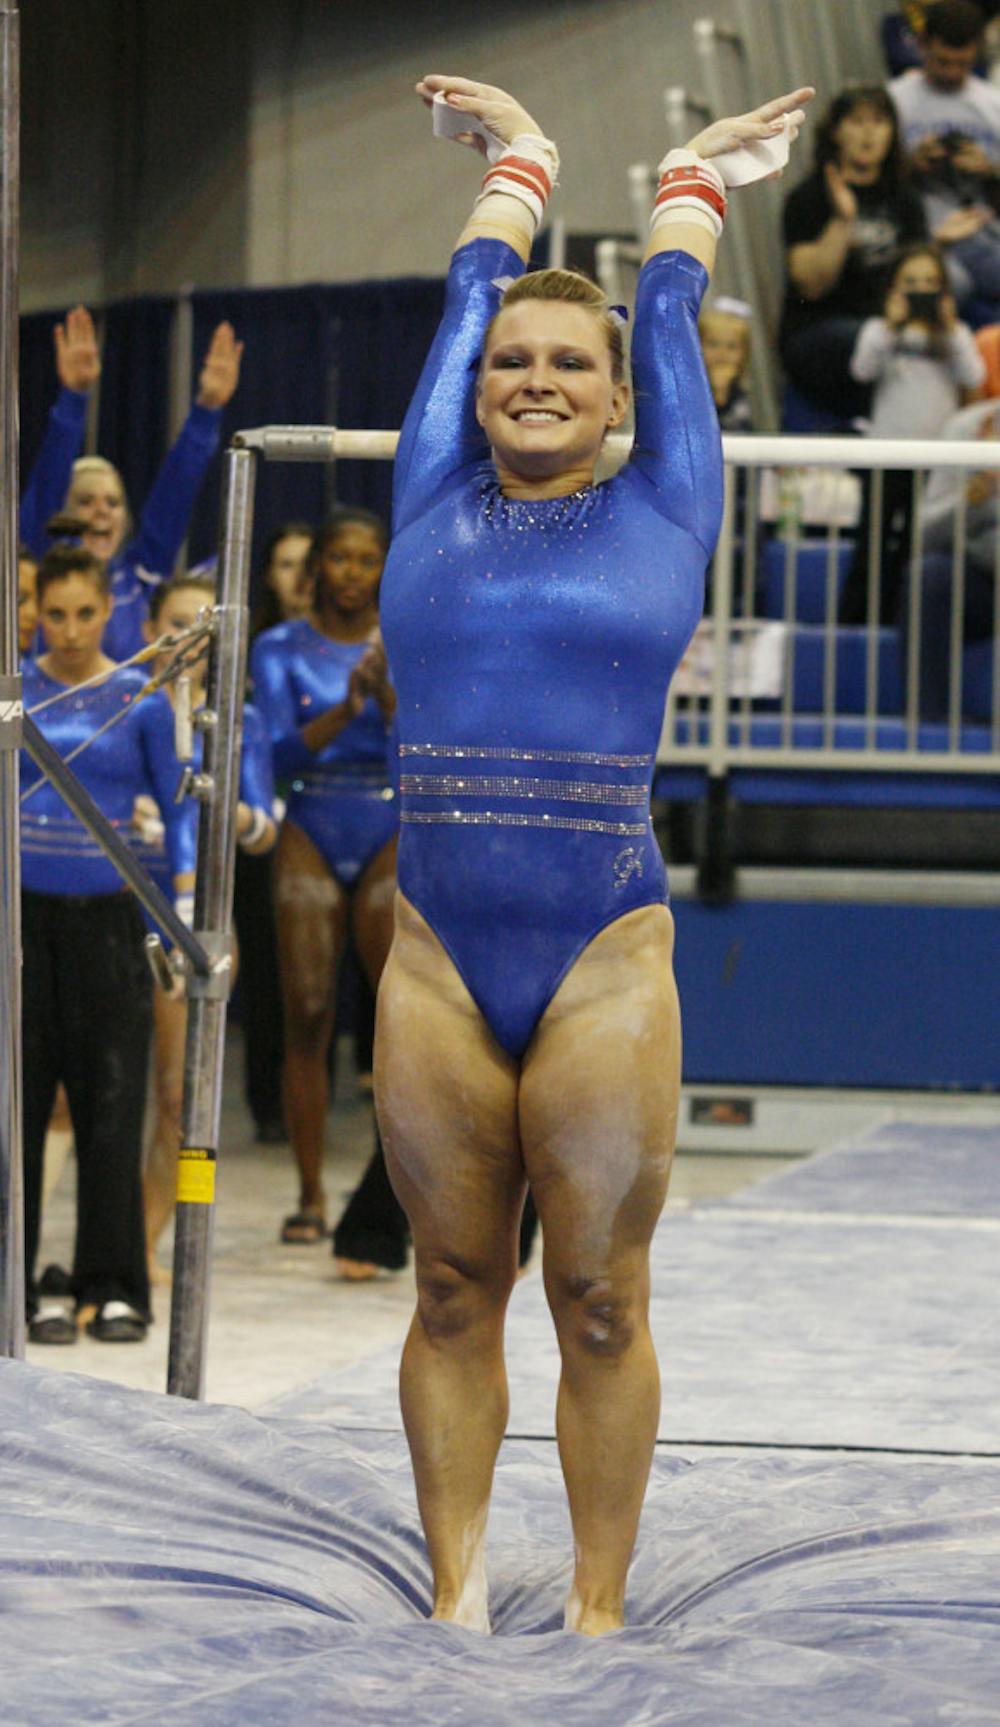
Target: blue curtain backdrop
(317, 355)
(135, 369)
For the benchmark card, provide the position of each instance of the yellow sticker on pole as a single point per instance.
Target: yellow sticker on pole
(195, 1176)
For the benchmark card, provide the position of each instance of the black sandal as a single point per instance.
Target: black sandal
(304, 1229)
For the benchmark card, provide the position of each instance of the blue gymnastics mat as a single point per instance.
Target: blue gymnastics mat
(200, 1566)
(895, 1169)
(781, 1320)
(196, 1566)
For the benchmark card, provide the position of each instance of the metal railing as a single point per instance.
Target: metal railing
(724, 720)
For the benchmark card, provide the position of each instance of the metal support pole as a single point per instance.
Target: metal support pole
(11, 1168)
(213, 920)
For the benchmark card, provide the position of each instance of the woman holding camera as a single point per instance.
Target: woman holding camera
(922, 363)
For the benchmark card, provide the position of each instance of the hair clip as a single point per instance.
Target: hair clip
(619, 314)
(735, 308)
(503, 283)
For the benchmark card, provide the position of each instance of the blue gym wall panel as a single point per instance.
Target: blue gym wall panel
(840, 995)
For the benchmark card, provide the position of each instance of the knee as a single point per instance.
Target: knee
(595, 1316)
(453, 1299)
(307, 1023)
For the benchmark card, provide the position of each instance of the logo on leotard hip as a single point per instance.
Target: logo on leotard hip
(627, 864)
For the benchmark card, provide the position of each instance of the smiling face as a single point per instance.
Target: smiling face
(73, 613)
(546, 396)
(725, 341)
(97, 498)
(348, 570)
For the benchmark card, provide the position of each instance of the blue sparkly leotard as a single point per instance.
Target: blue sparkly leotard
(531, 645)
(135, 755)
(341, 796)
(256, 789)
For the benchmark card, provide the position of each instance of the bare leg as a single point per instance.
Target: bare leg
(58, 1145)
(159, 1179)
(373, 929)
(598, 1116)
(446, 1097)
(311, 915)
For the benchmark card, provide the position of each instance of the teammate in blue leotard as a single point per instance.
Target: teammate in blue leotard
(322, 687)
(91, 488)
(527, 1023)
(86, 986)
(175, 608)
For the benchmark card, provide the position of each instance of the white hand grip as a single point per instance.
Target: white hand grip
(754, 161)
(449, 123)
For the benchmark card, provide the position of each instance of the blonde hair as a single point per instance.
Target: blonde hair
(578, 290)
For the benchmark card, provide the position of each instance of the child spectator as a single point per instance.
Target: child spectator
(724, 328)
(923, 364)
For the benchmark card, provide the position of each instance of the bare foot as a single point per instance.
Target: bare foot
(471, 1607)
(159, 1276)
(591, 1621)
(356, 1270)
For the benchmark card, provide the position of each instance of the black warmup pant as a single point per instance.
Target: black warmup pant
(87, 1019)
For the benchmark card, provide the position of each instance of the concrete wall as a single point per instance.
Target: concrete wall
(273, 141)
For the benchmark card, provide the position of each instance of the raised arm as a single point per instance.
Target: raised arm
(677, 449)
(441, 438)
(78, 366)
(167, 511)
(690, 202)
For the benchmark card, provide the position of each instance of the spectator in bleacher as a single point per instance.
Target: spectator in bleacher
(946, 490)
(923, 364)
(724, 328)
(91, 488)
(843, 228)
(950, 122)
(902, 30)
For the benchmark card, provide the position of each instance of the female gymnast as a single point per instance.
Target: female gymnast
(175, 608)
(91, 488)
(322, 686)
(86, 985)
(527, 1019)
(283, 593)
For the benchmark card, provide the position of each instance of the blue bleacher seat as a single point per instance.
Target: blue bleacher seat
(977, 681)
(810, 578)
(851, 658)
(800, 415)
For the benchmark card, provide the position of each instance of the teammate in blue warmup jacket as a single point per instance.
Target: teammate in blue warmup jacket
(320, 682)
(175, 608)
(91, 488)
(86, 986)
(527, 1021)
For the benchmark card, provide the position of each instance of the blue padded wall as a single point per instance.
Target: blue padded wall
(840, 995)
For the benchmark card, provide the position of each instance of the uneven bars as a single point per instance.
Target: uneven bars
(331, 443)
